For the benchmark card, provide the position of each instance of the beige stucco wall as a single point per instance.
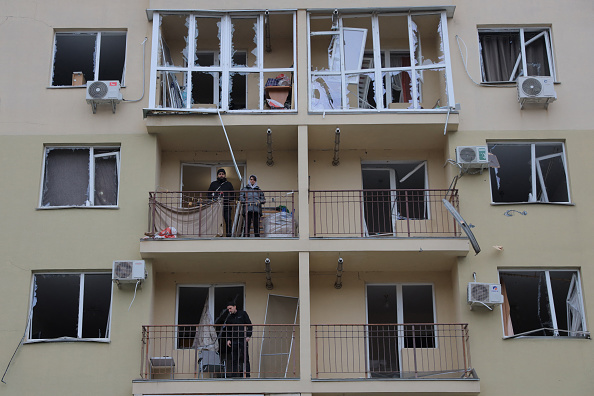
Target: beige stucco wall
(31, 115)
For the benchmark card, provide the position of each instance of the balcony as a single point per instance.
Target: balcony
(414, 213)
(398, 351)
(199, 214)
(196, 352)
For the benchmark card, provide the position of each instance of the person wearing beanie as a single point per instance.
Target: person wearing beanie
(235, 337)
(223, 189)
(252, 198)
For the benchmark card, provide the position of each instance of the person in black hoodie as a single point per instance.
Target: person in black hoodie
(223, 189)
(252, 198)
(236, 338)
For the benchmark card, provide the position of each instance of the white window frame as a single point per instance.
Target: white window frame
(225, 67)
(544, 31)
(91, 187)
(400, 315)
(377, 70)
(536, 172)
(96, 62)
(33, 299)
(211, 300)
(575, 283)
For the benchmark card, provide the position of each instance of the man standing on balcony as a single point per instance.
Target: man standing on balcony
(236, 338)
(223, 189)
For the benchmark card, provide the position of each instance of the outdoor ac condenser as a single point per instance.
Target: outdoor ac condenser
(484, 293)
(128, 271)
(539, 90)
(472, 156)
(103, 92)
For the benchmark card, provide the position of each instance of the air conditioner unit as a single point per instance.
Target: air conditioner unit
(103, 92)
(539, 90)
(472, 156)
(484, 293)
(128, 271)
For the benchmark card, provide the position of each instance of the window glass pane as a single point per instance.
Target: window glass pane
(512, 181)
(74, 53)
(56, 305)
(106, 180)
(417, 307)
(112, 56)
(500, 51)
(191, 300)
(326, 92)
(382, 316)
(528, 299)
(171, 91)
(224, 294)
(66, 178)
(560, 282)
(537, 62)
(206, 89)
(97, 301)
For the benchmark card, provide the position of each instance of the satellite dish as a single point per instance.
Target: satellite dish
(463, 224)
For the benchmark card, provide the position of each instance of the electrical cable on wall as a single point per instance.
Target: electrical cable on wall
(143, 74)
(133, 298)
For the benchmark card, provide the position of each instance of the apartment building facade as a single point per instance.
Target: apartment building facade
(424, 214)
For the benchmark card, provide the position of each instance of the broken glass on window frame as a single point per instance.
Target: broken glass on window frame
(233, 56)
(389, 41)
(542, 303)
(95, 55)
(529, 173)
(507, 53)
(70, 306)
(84, 176)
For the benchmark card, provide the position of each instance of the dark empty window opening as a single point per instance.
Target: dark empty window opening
(542, 303)
(98, 55)
(203, 305)
(71, 306)
(529, 172)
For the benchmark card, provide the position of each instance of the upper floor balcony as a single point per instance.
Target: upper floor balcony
(390, 61)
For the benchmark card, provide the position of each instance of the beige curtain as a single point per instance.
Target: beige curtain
(204, 220)
(206, 335)
(508, 328)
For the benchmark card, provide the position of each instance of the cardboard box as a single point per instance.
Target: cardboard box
(78, 78)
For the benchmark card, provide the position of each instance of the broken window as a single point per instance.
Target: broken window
(529, 172)
(80, 176)
(97, 55)
(71, 306)
(509, 53)
(392, 305)
(393, 192)
(542, 303)
(236, 58)
(379, 61)
(203, 305)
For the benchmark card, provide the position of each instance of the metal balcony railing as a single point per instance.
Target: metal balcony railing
(407, 351)
(219, 351)
(380, 213)
(207, 214)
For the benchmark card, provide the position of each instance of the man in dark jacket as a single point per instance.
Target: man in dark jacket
(236, 338)
(223, 189)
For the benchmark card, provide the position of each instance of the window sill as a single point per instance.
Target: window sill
(75, 207)
(533, 203)
(69, 339)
